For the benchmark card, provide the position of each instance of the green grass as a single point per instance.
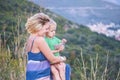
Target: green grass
(12, 68)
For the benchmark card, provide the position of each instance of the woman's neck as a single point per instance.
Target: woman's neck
(36, 34)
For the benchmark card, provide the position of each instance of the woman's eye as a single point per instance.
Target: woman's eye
(52, 30)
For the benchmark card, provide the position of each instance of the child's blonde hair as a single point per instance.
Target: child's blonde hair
(36, 22)
(52, 22)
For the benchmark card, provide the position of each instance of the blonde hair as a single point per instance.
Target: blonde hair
(52, 22)
(36, 22)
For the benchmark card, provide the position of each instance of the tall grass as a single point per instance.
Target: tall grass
(12, 55)
(94, 68)
(11, 69)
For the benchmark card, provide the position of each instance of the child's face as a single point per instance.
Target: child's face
(51, 32)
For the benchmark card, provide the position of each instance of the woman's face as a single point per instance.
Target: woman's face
(44, 29)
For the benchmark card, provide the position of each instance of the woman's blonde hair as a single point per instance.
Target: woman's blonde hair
(36, 22)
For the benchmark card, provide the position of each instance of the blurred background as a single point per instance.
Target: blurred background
(92, 28)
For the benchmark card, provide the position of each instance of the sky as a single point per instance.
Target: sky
(114, 1)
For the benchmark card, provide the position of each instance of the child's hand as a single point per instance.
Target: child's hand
(64, 40)
(57, 46)
(61, 47)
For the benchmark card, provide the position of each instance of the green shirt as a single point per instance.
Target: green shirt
(52, 42)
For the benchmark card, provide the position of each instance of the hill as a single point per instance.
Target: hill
(80, 38)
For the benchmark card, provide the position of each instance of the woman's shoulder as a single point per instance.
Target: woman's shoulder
(40, 39)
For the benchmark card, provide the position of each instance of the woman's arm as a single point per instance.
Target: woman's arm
(44, 48)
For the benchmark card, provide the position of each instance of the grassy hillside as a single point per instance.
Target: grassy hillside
(92, 56)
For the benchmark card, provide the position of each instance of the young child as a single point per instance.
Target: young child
(56, 45)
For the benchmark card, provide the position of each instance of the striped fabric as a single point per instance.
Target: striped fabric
(38, 67)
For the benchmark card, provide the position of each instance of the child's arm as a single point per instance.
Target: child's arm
(61, 45)
(60, 48)
(55, 51)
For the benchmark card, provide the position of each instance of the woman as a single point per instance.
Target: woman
(39, 54)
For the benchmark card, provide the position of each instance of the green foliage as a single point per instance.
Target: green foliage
(90, 65)
(92, 44)
(11, 69)
(94, 67)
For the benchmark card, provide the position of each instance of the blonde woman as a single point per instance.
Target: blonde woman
(39, 54)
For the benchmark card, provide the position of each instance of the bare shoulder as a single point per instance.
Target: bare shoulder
(40, 40)
(42, 45)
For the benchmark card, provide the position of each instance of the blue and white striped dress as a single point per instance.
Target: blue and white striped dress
(38, 67)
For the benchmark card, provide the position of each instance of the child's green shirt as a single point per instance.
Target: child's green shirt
(52, 42)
